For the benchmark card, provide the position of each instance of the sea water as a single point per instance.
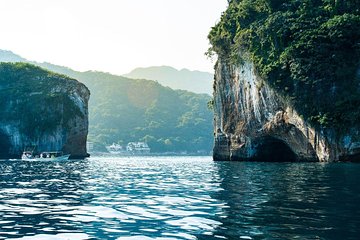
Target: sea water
(178, 198)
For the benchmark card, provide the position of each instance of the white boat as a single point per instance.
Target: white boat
(138, 148)
(28, 155)
(114, 148)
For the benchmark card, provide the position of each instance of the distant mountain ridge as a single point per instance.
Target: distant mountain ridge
(8, 56)
(184, 79)
(124, 110)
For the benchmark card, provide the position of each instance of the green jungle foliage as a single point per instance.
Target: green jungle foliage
(124, 110)
(308, 50)
(26, 96)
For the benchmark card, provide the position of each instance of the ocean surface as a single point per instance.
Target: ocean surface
(178, 198)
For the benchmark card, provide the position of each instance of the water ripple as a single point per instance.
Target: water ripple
(177, 198)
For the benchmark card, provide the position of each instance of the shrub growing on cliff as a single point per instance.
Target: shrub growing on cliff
(309, 50)
(27, 95)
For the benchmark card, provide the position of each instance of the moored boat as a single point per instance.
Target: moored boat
(115, 148)
(29, 155)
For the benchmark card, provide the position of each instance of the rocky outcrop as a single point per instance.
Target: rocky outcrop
(41, 110)
(287, 81)
(253, 122)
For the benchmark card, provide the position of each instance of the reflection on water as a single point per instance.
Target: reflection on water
(178, 198)
(288, 200)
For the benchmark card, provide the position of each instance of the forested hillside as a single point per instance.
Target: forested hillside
(122, 110)
(125, 110)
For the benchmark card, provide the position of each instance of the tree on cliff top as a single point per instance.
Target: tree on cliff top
(308, 50)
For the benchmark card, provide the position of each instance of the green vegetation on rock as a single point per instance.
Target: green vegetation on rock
(35, 98)
(122, 110)
(308, 50)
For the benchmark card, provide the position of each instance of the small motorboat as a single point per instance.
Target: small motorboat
(29, 155)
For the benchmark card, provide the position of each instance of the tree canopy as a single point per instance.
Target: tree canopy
(308, 50)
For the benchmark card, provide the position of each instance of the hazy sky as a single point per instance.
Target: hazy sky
(110, 35)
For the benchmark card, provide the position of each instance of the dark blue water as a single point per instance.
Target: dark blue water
(178, 198)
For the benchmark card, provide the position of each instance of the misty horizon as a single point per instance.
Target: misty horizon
(122, 36)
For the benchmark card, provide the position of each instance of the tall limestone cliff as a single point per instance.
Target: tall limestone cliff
(287, 81)
(41, 110)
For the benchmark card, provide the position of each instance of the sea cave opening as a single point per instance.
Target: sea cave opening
(270, 149)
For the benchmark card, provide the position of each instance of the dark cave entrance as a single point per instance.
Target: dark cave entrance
(4, 146)
(269, 149)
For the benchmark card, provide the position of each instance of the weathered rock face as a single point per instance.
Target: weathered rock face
(41, 110)
(253, 122)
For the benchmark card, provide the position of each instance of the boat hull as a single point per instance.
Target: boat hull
(60, 158)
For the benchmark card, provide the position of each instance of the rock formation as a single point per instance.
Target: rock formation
(41, 110)
(287, 81)
(253, 122)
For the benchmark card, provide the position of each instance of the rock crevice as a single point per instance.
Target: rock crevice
(253, 122)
